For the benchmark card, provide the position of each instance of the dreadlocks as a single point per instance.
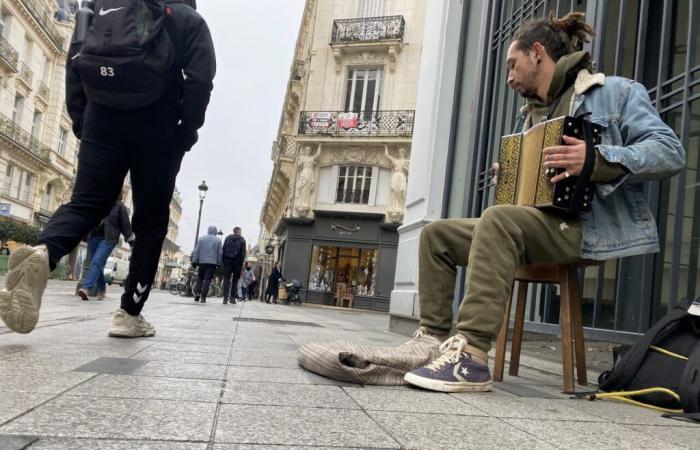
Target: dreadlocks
(558, 36)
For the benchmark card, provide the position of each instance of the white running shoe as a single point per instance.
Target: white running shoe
(20, 299)
(128, 326)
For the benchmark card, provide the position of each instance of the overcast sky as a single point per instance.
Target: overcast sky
(254, 42)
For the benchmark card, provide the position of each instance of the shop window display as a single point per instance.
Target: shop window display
(345, 269)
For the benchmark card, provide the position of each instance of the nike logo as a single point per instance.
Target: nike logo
(104, 12)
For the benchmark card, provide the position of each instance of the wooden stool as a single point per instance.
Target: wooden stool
(566, 276)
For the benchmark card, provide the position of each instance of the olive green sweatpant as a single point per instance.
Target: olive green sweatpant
(491, 247)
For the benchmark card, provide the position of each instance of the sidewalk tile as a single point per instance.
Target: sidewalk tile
(95, 444)
(151, 354)
(411, 400)
(621, 413)
(503, 405)
(316, 396)
(265, 359)
(19, 402)
(583, 435)
(299, 426)
(100, 417)
(15, 442)
(181, 370)
(125, 386)
(687, 436)
(269, 375)
(430, 431)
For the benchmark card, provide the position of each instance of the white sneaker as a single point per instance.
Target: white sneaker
(20, 299)
(128, 326)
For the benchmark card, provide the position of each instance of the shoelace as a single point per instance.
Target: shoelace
(451, 351)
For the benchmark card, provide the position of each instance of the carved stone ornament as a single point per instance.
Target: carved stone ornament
(395, 216)
(357, 155)
(365, 58)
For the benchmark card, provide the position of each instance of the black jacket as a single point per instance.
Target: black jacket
(195, 66)
(234, 249)
(115, 224)
(273, 281)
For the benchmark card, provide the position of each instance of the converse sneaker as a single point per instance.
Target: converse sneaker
(20, 300)
(83, 294)
(460, 368)
(128, 326)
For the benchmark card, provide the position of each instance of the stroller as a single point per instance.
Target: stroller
(293, 287)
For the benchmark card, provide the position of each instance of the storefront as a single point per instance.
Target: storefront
(341, 253)
(654, 42)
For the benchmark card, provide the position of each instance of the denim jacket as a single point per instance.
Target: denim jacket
(620, 223)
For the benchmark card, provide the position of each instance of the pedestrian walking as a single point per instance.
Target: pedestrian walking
(100, 244)
(138, 83)
(207, 258)
(248, 280)
(273, 283)
(234, 255)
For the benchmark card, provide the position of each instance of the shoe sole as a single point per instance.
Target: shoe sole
(83, 295)
(19, 308)
(125, 333)
(447, 386)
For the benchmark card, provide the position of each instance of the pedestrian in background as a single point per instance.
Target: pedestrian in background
(273, 284)
(248, 280)
(100, 244)
(234, 255)
(207, 258)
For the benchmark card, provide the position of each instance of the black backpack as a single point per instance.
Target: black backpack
(661, 371)
(127, 59)
(233, 248)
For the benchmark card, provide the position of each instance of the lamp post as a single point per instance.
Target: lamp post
(203, 188)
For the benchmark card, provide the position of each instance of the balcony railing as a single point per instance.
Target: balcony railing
(43, 91)
(40, 13)
(10, 130)
(368, 29)
(357, 196)
(8, 54)
(25, 74)
(338, 123)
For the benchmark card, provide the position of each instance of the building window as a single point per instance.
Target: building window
(36, 124)
(17, 112)
(372, 8)
(363, 92)
(341, 269)
(354, 184)
(27, 192)
(46, 200)
(62, 141)
(5, 21)
(7, 187)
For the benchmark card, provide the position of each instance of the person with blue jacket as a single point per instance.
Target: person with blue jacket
(207, 258)
(548, 67)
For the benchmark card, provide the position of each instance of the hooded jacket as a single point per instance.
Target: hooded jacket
(208, 249)
(194, 70)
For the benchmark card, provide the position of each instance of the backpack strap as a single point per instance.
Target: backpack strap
(690, 383)
(628, 366)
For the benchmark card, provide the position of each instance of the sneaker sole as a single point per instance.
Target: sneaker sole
(19, 305)
(125, 333)
(83, 295)
(447, 386)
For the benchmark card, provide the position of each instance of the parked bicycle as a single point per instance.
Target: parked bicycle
(187, 285)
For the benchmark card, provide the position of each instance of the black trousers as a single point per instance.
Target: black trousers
(231, 270)
(206, 273)
(144, 144)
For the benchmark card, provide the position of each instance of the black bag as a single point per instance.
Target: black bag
(127, 59)
(661, 371)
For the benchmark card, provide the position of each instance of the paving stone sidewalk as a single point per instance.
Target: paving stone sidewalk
(225, 377)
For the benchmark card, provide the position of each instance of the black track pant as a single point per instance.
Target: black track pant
(231, 270)
(142, 143)
(205, 273)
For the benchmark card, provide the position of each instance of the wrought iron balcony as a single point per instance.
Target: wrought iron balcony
(41, 14)
(370, 123)
(8, 54)
(25, 74)
(368, 29)
(356, 196)
(43, 91)
(22, 138)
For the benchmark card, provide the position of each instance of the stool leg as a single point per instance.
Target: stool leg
(501, 345)
(565, 324)
(577, 324)
(518, 329)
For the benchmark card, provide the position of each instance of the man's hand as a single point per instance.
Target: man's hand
(495, 168)
(569, 157)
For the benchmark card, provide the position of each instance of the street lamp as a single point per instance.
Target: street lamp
(203, 188)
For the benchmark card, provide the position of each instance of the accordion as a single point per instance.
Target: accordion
(523, 180)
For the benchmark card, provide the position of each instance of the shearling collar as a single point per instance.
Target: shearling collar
(584, 81)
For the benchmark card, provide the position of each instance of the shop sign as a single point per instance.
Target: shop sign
(343, 229)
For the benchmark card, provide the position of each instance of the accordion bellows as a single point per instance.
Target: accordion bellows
(522, 178)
